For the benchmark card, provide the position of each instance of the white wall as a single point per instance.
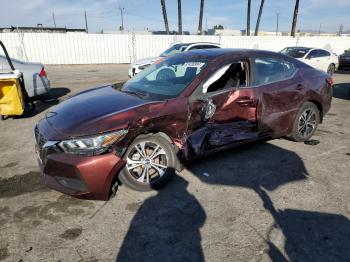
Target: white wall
(71, 48)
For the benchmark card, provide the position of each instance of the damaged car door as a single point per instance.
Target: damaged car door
(280, 90)
(222, 110)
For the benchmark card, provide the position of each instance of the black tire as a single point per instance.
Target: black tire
(308, 109)
(331, 69)
(132, 178)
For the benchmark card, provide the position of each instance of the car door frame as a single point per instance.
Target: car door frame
(200, 129)
(279, 122)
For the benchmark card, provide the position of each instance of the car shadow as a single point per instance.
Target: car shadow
(166, 227)
(45, 101)
(341, 91)
(263, 167)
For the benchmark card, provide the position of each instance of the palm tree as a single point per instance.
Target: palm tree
(248, 17)
(295, 16)
(259, 16)
(162, 2)
(179, 16)
(200, 30)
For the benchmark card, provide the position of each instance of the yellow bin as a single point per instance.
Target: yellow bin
(11, 97)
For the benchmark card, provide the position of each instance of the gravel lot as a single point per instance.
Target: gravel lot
(268, 201)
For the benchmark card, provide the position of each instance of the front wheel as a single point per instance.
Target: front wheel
(150, 163)
(331, 69)
(305, 123)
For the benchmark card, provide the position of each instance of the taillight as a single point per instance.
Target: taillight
(42, 73)
(329, 81)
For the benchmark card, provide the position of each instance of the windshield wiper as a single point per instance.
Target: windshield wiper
(138, 94)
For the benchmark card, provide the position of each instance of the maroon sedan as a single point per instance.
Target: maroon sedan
(186, 106)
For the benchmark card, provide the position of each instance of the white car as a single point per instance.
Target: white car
(35, 78)
(141, 64)
(318, 58)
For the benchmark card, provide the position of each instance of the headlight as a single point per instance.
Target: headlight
(92, 145)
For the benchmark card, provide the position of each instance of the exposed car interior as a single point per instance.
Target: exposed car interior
(230, 76)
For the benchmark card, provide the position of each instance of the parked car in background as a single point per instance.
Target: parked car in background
(141, 64)
(344, 59)
(137, 132)
(318, 58)
(34, 74)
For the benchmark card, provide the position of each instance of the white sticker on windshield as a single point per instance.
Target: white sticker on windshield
(194, 64)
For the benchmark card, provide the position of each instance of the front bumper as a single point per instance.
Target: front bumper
(87, 177)
(344, 62)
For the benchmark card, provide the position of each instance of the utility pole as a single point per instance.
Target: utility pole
(179, 16)
(206, 23)
(340, 30)
(248, 18)
(86, 24)
(54, 20)
(277, 18)
(200, 29)
(122, 18)
(319, 30)
(295, 17)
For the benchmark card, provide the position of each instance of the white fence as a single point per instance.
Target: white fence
(80, 48)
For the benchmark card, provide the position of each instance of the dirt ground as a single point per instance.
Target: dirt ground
(267, 201)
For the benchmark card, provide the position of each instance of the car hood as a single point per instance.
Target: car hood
(94, 111)
(347, 54)
(145, 61)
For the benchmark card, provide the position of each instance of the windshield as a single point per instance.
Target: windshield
(166, 79)
(296, 52)
(175, 49)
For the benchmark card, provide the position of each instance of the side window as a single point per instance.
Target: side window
(229, 76)
(313, 54)
(323, 53)
(269, 70)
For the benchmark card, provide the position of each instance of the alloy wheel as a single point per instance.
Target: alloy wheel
(147, 162)
(307, 122)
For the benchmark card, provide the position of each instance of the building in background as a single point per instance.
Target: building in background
(224, 32)
(40, 29)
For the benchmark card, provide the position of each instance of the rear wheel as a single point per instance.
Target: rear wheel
(150, 163)
(305, 123)
(331, 69)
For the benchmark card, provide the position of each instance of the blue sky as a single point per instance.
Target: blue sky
(140, 14)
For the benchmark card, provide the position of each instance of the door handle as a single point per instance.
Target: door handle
(246, 101)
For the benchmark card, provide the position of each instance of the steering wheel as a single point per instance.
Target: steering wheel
(165, 74)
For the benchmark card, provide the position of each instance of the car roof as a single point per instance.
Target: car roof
(304, 47)
(212, 54)
(197, 43)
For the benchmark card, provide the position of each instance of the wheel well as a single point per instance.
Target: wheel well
(319, 106)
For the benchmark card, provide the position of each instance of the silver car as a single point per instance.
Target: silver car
(141, 64)
(35, 77)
